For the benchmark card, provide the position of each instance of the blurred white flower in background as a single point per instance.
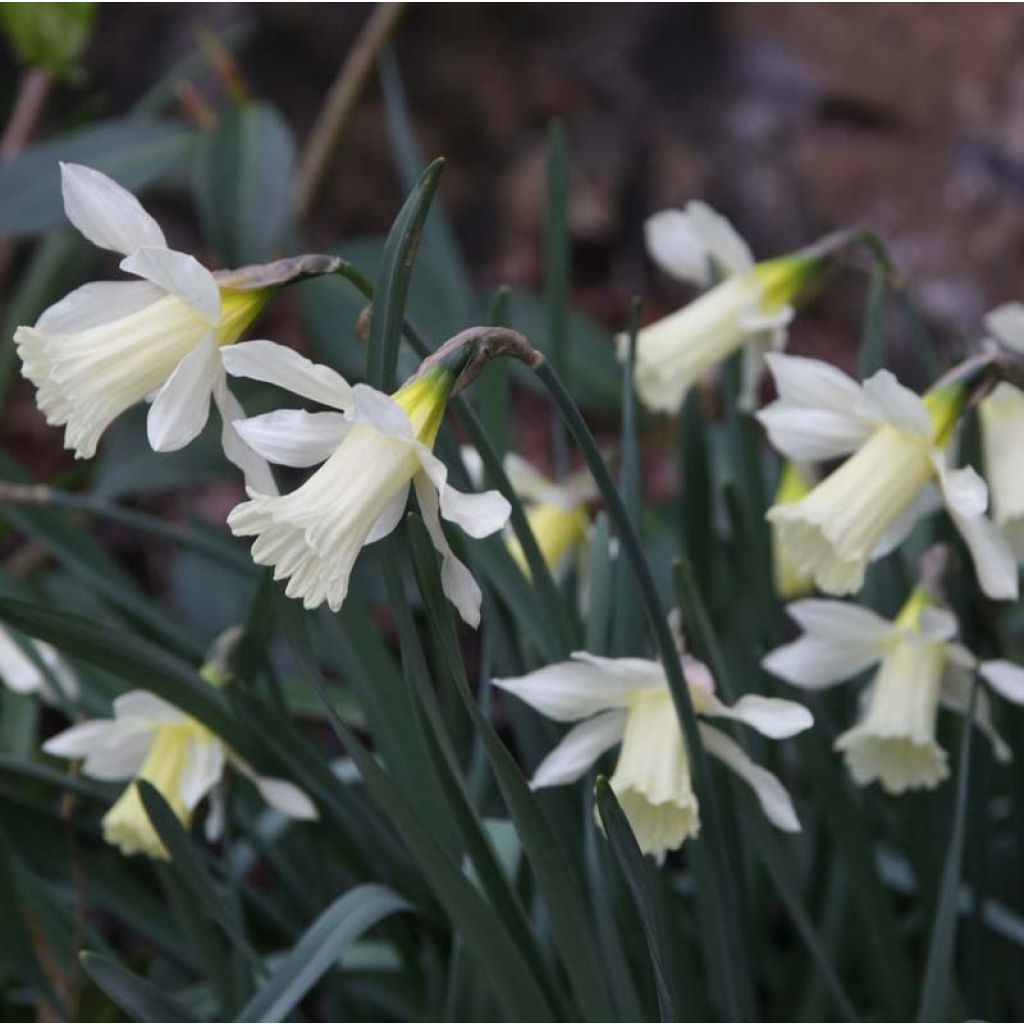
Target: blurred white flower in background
(920, 667)
(869, 504)
(35, 668)
(373, 450)
(152, 740)
(750, 307)
(110, 344)
(627, 701)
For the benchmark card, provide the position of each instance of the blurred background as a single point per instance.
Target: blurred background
(792, 119)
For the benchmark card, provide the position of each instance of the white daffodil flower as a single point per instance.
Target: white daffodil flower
(920, 667)
(750, 308)
(557, 511)
(372, 451)
(897, 472)
(627, 701)
(110, 344)
(795, 483)
(35, 668)
(152, 740)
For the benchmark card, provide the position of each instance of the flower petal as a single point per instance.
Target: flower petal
(927, 502)
(770, 716)
(381, 411)
(571, 690)
(721, 240)
(286, 798)
(812, 435)
(770, 793)
(258, 477)
(107, 214)
(812, 383)
(113, 750)
(674, 245)
(277, 364)
(456, 580)
(579, 748)
(525, 479)
(146, 707)
(994, 560)
(389, 518)
(1006, 322)
(1006, 678)
(479, 515)
(886, 400)
(293, 437)
(95, 304)
(956, 694)
(181, 275)
(204, 766)
(963, 490)
(840, 621)
(182, 406)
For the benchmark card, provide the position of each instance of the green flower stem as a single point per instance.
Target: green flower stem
(736, 991)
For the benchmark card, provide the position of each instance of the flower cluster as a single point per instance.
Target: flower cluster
(864, 462)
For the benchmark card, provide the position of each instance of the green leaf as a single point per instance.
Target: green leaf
(559, 885)
(135, 151)
(636, 872)
(319, 949)
(872, 339)
(934, 1004)
(392, 284)
(242, 179)
(139, 999)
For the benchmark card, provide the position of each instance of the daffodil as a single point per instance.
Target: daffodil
(373, 448)
(897, 472)
(795, 483)
(749, 309)
(557, 511)
(110, 344)
(34, 667)
(627, 701)
(921, 667)
(152, 740)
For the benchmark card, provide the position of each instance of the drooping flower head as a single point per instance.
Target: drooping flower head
(750, 307)
(374, 447)
(627, 701)
(920, 667)
(897, 472)
(108, 345)
(184, 761)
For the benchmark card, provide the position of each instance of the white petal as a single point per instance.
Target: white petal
(812, 435)
(1005, 678)
(479, 515)
(963, 490)
(936, 625)
(182, 406)
(580, 747)
(643, 672)
(474, 464)
(181, 275)
(389, 518)
(113, 750)
(277, 364)
(95, 304)
(673, 244)
(840, 621)
(956, 694)
(286, 798)
(381, 411)
(1006, 322)
(293, 437)
(525, 479)
(107, 214)
(204, 766)
(258, 477)
(456, 580)
(994, 560)
(812, 383)
(18, 671)
(571, 690)
(770, 793)
(82, 739)
(721, 240)
(886, 400)
(770, 716)
(147, 707)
